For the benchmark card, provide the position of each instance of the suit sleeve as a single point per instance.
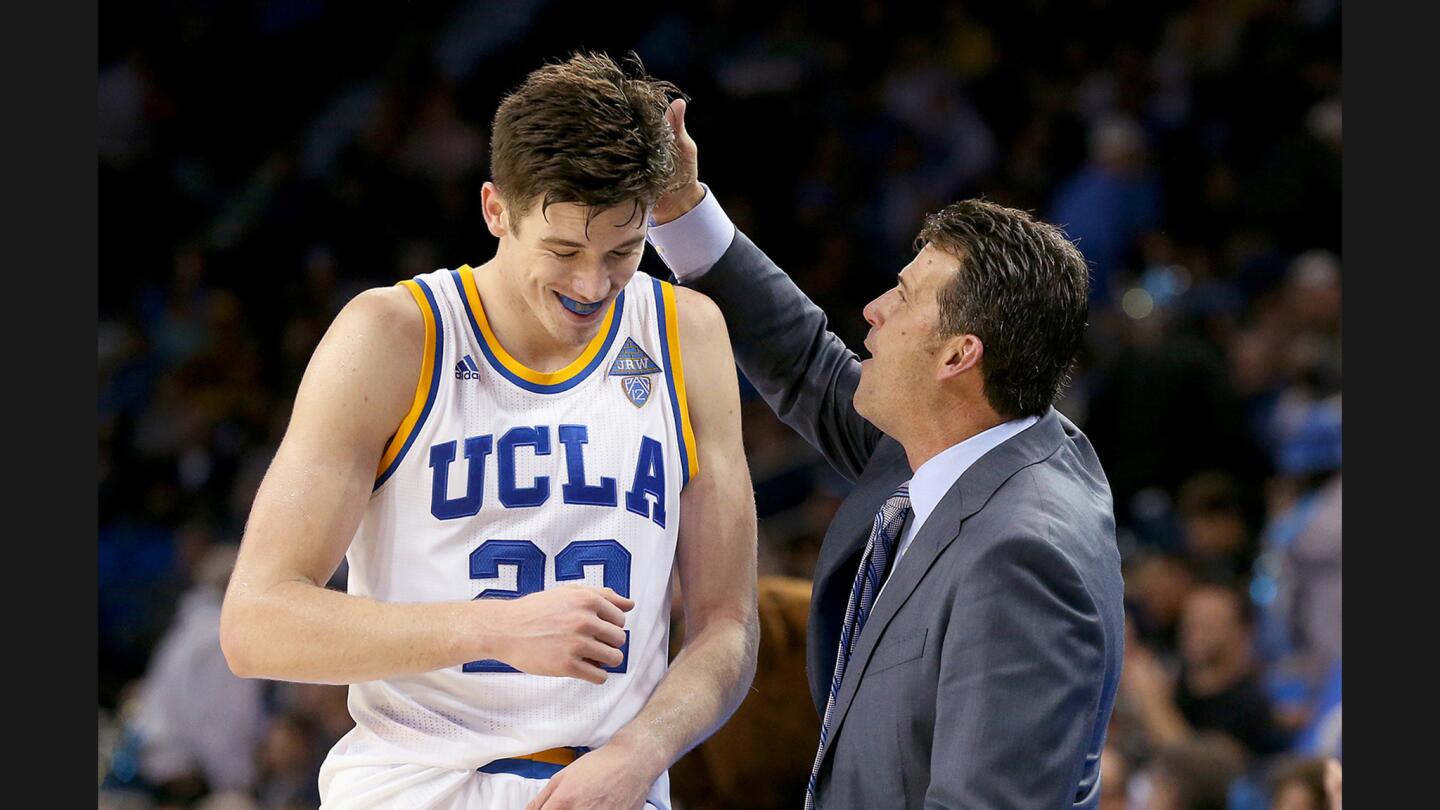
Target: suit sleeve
(783, 345)
(1021, 672)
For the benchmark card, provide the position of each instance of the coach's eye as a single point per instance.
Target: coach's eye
(559, 255)
(620, 254)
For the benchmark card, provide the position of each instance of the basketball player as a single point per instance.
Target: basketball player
(512, 458)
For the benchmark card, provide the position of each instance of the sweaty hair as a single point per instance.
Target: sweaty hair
(584, 131)
(1023, 289)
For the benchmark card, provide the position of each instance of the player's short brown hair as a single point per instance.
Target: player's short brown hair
(1023, 289)
(585, 131)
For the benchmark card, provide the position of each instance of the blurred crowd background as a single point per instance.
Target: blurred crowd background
(262, 162)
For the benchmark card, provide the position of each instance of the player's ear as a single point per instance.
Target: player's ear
(495, 209)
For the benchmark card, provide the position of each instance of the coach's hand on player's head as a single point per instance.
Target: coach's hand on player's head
(685, 191)
(571, 631)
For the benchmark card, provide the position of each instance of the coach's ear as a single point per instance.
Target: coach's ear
(496, 211)
(959, 354)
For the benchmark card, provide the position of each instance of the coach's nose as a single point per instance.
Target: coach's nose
(874, 311)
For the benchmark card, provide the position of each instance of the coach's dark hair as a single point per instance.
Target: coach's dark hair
(584, 131)
(1023, 289)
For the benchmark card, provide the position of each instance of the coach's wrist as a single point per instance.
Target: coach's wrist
(677, 203)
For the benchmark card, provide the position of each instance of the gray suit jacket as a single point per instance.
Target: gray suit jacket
(985, 676)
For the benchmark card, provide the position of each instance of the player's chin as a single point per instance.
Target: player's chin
(575, 335)
(565, 330)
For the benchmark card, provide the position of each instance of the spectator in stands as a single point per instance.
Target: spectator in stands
(1114, 779)
(288, 763)
(1215, 528)
(1297, 583)
(1332, 782)
(1110, 202)
(1306, 537)
(1157, 584)
(189, 693)
(1299, 785)
(1194, 773)
(1217, 687)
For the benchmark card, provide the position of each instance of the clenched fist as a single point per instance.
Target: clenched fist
(571, 631)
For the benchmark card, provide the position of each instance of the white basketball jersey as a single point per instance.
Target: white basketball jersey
(503, 481)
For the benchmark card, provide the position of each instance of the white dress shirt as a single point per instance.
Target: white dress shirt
(936, 476)
(693, 242)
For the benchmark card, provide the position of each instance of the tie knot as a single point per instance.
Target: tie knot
(900, 499)
(894, 510)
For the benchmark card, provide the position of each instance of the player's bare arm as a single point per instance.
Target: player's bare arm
(279, 621)
(715, 559)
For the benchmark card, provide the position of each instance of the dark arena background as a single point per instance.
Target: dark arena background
(260, 163)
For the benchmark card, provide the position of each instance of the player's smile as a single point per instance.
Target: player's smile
(580, 309)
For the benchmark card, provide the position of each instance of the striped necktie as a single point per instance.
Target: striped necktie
(868, 580)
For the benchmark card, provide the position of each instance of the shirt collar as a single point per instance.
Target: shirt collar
(936, 476)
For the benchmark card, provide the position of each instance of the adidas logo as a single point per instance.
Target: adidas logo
(466, 369)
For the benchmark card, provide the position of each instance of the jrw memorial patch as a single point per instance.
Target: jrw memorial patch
(632, 365)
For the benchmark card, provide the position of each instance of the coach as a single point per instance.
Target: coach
(966, 620)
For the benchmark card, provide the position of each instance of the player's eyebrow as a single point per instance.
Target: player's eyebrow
(905, 288)
(637, 241)
(555, 240)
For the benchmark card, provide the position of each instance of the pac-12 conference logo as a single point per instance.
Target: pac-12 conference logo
(637, 389)
(632, 365)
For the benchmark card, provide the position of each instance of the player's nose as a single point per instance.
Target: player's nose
(589, 286)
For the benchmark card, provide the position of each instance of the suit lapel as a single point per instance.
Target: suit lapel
(965, 497)
(940, 530)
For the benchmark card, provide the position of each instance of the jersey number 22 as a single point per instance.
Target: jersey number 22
(529, 562)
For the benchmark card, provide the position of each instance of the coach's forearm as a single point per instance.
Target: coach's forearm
(705, 684)
(299, 631)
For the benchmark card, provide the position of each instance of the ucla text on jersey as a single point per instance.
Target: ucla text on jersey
(648, 477)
